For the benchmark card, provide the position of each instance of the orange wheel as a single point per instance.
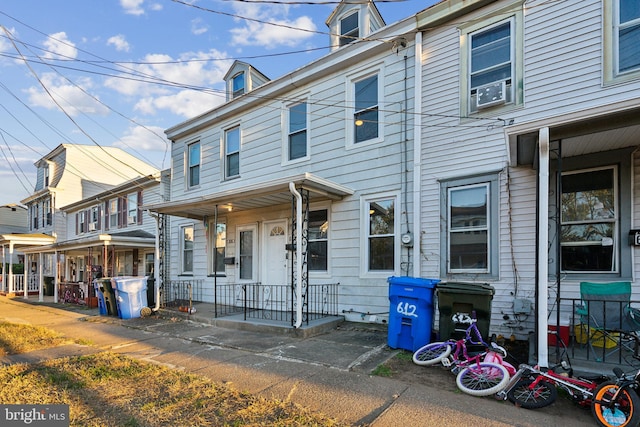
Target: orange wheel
(621, 413)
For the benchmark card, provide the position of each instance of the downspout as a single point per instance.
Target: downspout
(417, 155)
(543, 244)
(156, 262)
(298, 196)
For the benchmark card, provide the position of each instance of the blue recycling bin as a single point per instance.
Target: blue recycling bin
(102, 306)
(410, 312)
(131, 295)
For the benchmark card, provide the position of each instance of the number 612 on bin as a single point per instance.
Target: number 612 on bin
(407, 309)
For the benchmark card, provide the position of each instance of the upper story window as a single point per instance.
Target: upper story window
(491, 66)
(82, 222)
(232, 152)
(47, 213)
(193, 164)
(365, 116)
(34, 216)
(297, 133)
(132, 208)
(46, 176)
(349, 28)
(238, 85)
(589, 218)
(94, 218)
(627, 35)
(113, 213)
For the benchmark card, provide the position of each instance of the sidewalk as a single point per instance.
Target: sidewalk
(329, 373)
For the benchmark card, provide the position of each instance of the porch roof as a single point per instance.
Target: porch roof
(268, 193)
(20, 240)
(592, 130)
(135, 239)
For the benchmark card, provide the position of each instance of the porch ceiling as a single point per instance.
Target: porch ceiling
(268, 193)
(20, 240)
(587, 135)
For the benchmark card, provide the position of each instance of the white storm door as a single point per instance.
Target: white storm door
(275, 253)
(248, 253)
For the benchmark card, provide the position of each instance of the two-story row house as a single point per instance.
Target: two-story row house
(528, 155)
(85, 219)
(299, 190)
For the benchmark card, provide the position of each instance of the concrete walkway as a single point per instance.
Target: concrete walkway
(329, 372)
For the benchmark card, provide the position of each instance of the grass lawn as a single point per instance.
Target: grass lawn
(108, 389)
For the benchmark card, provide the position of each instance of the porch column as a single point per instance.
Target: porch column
(4, 272)
(26, 275)
(56, 275)
(11, 284)
(40, 277)
(543, 246)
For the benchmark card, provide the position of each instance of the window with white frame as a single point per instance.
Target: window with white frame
(113, 213)
(381, 234)
(217, 241)
(365, 115)
(238, 84)
(318, 240)
(186, 249)
(47, 213)
(94, 219)
(34, 216)
(82, 221)
(491, 62)
(232, 152)
(589, 220)
(45, 171)
(349, 28)
(193, 164)
(132, 208)
(471, 224)
(297, 143)
(491, 66)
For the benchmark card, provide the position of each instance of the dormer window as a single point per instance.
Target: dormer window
(46, 176)
(238, 85)
(349, 29)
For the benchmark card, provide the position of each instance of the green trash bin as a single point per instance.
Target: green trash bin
(459, 297)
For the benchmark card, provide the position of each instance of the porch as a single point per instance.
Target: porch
(15, 284)
(252, 303)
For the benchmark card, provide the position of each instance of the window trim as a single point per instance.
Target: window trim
(365, 202)
(189, 166)
(183, 249)
(517, 67)
(212, 227)
(286, 132)
(235, 93)
(492, 180)
(623, 160)
(225, 154)
(352, 35)
(610, 53)
(351, 80)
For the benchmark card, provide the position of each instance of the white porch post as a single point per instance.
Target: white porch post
(26, 275)
(40, 277)
(11, 284)
(4, 270)
(543, 245)
(55, 277)
(292, 189)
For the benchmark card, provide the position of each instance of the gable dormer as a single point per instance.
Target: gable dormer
(242, 78)
(352, 21)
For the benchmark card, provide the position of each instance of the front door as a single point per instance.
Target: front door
(275, 253)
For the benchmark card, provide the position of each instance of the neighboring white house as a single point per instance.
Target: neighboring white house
(515, 95)
(77, 176)
(304, 180)
(13, 219)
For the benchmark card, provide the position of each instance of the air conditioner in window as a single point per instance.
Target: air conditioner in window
(92, 226)
(131, 220)
(491, 94)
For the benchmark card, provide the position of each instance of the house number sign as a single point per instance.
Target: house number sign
(407, 309)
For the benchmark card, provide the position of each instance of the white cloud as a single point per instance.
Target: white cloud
(58, 45)
(69, 96)
(5, 44)
(132, 7)
(198, 27)
(119, 42)
(149, 140)
(191, 69)
(285, 31)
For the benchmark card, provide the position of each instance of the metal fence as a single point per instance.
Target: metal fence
(275, 303)
(597, 331)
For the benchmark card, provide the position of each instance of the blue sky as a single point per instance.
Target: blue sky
(120, 72)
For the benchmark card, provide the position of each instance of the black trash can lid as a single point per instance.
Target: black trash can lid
(465, 288)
